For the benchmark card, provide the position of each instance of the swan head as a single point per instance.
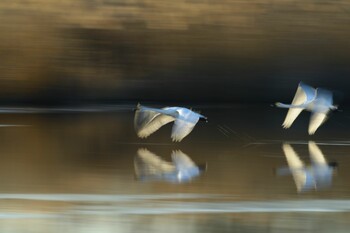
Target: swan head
(333, 164)
(202, 167)
(277, 104)
(203, 118)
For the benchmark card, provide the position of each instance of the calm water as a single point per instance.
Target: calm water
(75, 172)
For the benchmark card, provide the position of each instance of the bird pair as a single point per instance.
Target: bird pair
(318, 101)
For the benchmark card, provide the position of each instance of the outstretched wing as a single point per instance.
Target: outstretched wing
(308, 91)
(296, 166)
(184, 123)
(181, 160)
(316, 120)
(316, 155)
(304, 94)
(323, 101)
(325, 95)
(148, 164)
(149, 120)
(292, 157)
(181, 129)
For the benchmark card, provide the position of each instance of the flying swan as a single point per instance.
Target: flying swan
(148, 120)
(318, 101)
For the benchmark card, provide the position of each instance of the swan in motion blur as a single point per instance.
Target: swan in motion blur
(150, 167)
(148, 120)
(318, 101)
(316, 176)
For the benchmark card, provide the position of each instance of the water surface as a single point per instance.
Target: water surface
(74, 171)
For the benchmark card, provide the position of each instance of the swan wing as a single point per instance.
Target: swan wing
(304, 94)
(181, 160)
(292, 157)
(149, 120)
(296, 166)
(147, 163)
(324, 100)
(316, 155)
(292, 114)
(181, 129)
(184, 124)
(316, 120)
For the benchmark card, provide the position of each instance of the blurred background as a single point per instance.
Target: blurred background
(79, 67)
(73, 52)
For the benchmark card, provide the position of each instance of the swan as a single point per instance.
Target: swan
(148, 120)
(149, 166)
(316, 176)
(318, 101)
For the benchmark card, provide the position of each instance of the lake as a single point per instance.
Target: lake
(74, 170)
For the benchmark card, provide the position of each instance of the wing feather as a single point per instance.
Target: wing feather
(316, 120)
(181, 160)
(296, 166)
(308, 91)
(148, 164)
(316, 154)
(303, 95)
(147, 121)
(184, 124)
(323, 101)
(292, 157)
(181, 129)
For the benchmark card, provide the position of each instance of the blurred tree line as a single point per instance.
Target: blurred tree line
(67, 52)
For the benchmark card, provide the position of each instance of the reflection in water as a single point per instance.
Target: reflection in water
(317, 176)
(150, 167)
(318, 101)
(148, 120)
(74, 173)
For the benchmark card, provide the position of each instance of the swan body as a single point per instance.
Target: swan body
(318, 101)
(316, 176)
(150, 167)
(148, 120)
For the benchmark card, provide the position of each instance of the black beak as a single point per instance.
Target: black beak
(333, 164)
(204, 119)
(202, 167)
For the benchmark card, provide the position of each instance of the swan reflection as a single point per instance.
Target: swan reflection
(316, 176)
(150, 167)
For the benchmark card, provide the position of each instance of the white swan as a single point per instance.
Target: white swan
(316, 176)
(149, 166)
(318, 101)
(148, 120)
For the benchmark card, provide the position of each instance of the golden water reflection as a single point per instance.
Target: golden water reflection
(75, 172)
